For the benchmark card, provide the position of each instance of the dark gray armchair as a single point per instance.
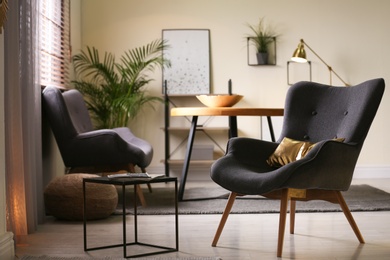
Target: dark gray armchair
(86, 150)
(82, 146)
(315, 114)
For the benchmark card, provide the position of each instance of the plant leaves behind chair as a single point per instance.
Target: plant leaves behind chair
(86, 150)
(115, 92)
(316, 113)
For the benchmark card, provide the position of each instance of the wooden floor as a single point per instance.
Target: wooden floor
(246, 236)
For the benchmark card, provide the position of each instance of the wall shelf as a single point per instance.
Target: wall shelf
(298, 72)
(252, 52)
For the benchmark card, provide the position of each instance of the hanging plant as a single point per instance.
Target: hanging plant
(262, 36)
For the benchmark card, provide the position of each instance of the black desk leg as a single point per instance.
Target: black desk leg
(124, 220)
(176, 218)
(166, 126)
(271, 128)
(187, 158)
(233, 126)
(85, 217)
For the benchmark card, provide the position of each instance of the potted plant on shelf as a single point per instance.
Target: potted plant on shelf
(115, 91)
(261, 38)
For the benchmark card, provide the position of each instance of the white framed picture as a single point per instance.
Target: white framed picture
(189, 54)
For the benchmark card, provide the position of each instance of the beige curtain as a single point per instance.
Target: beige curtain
(22, 95)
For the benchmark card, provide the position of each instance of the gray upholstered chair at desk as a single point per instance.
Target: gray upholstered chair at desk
(314, 114)
(84, 149)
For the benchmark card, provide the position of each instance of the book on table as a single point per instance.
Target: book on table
(135, 175)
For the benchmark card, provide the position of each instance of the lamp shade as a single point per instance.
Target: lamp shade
(299, 54)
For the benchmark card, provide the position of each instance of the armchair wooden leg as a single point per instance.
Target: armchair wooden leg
(349, 216)
(282, 220)
(131, 167)
(140, 195)
(292, 216)
(149, 186)
(225, 215)
(138, 190)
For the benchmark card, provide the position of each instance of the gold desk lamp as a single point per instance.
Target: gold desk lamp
(299, 55)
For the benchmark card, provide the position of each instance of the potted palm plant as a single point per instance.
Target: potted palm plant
(115, 91)
(261, 38)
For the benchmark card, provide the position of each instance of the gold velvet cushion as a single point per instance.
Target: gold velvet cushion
(290, 150)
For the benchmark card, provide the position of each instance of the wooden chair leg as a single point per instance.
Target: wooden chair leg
(131, 167)
(292, 216)
(282, 220)
(349, 216)
(140, 195)
(225, 215)
(149, 186)
(138, 189)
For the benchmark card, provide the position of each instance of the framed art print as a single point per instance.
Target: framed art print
(189, 54)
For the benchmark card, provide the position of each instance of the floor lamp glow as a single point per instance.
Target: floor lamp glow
(299, 55)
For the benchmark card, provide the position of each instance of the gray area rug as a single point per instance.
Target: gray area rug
(43, 257)
(204, 200)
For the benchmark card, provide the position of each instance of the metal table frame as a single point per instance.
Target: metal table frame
(123, 182)
(232, 113)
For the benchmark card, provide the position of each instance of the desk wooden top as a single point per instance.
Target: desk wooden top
(226, 111)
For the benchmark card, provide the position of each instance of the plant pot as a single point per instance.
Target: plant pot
(262, 58)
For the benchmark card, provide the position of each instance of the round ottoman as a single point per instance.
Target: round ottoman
(64, 198)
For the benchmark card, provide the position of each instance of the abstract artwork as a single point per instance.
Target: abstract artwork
(189, 54)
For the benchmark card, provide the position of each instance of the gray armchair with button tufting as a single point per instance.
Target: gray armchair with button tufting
(323, 132)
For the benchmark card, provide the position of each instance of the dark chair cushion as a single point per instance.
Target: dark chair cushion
(80, 145)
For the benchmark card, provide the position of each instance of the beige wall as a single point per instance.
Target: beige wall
(351, 35)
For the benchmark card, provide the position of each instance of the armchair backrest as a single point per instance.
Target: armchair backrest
(67, 114)
(315, 112)
(78, 111)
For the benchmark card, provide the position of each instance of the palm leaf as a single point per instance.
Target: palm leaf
(114, 92)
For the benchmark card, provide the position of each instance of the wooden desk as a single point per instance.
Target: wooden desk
(232, 113)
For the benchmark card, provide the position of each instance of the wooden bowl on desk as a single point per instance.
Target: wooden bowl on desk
(219, 100)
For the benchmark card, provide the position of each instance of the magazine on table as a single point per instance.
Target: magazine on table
(136, 175)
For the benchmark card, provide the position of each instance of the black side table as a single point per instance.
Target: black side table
(123, 182)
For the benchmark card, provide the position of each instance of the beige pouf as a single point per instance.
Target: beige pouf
(64, 198)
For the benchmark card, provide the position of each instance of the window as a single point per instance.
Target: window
(54, 42)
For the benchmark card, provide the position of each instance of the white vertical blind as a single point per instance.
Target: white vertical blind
(55, 42)
(22, 119)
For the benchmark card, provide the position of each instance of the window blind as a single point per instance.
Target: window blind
(54, 42)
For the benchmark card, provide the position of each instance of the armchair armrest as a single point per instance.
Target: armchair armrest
(96, 147)
(96, 134)
(250, 150)
(329, 165)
